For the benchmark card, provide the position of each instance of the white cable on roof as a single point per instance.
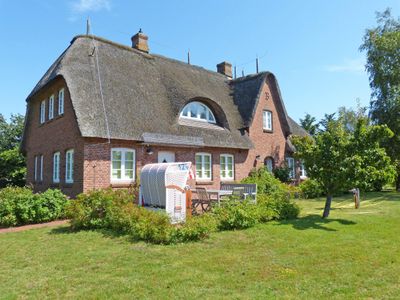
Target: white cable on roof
(96, 54)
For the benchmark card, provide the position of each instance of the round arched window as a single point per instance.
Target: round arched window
(269, 163)
(197, 111)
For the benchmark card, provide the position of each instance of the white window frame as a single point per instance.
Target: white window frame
(303, 172)
(226, 169)
(69, 166)
(267, 120)
(41, 168)
(51, 107)
(202, 175)
(35, 171)
(61, 102)
(42, 111)
(56, 167)
(210, 118)
(292, 167)
(123, 179)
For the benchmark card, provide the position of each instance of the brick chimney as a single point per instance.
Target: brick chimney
(139, 41)
(225, 68)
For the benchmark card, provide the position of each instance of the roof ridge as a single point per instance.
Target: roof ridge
(147, 55)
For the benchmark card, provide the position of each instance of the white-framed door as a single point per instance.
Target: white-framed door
(166, 156)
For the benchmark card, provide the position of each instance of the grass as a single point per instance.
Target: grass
(353, 254)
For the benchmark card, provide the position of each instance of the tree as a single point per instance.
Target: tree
(339, 159)
(326, 120)
(382, 46)
(12, 162)
(309, 124)
(323, 159)
(349, 116)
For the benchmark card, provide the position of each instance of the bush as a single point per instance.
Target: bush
(19, 206)
(311, 189)
(104, 208)
(282, 173)
(266, 182)
(276, 207)
(234, 214)
(196, 228)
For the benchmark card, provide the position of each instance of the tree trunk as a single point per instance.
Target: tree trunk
(327, 208)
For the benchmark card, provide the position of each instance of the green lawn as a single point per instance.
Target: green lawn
(353, 254)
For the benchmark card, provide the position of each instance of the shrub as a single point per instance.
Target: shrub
(282, 173)
(196, 228)
(233, 214)
(277, 206)
(311, 189)
(153, 227)
(19, 206)
(266, 182)
(104, 208)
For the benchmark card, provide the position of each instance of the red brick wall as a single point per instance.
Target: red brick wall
(59, 134)
(97, 161)
(266, 143)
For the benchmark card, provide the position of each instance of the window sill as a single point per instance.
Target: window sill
(204, 182)
(268, 131)
(228, 181)
(123, 184)
(68, 184)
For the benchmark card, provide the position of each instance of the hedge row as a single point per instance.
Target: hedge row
(20, 206)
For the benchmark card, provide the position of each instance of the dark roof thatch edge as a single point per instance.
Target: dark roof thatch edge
(281, 102)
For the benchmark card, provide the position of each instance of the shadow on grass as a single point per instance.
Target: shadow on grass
(314, 222)
(68, 230)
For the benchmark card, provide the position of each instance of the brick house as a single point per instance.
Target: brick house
(103, 110)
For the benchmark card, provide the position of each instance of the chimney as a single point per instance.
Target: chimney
(139, 41)
(225, 68)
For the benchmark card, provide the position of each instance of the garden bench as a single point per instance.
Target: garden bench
(243, 190)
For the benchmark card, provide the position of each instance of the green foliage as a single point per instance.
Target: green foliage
(310, 189)
(282, 173)
(339, 159)
(12, 163)
(382, 45)
(233, 214)
(196, 228)
(114, 210)
(266, 182)
(309, 124)
(19, 206)
(104, 208)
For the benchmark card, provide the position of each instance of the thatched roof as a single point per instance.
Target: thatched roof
(144, 94)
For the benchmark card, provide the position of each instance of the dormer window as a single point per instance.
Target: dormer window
(198, 111)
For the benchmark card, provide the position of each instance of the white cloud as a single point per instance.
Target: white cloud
(79, 7)
(348, 66)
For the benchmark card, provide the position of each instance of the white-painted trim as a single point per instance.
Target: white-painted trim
(226, 165)
(69, 166)
(197, 117)
(123, 178)
(61, 102)
(56, 167)
(203, 170)
(51, 107)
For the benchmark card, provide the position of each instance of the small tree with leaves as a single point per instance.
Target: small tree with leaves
(323, 159)
(339, 159)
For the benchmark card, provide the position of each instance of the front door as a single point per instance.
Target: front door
(166, 157)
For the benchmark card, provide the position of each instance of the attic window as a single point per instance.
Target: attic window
(198, 111)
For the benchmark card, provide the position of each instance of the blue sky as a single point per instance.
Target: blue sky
(311, 46)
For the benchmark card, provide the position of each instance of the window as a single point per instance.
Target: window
(61, 102)
(303, 173)
(122, 165)
(267, 120)
(226, 163)
(203, 166)
(69, 166)
(35, 171)
(51, 107)
(198, 111)
(269, 164)
(291, 166)
(42, 111)
(56, 167)
(41, 168)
